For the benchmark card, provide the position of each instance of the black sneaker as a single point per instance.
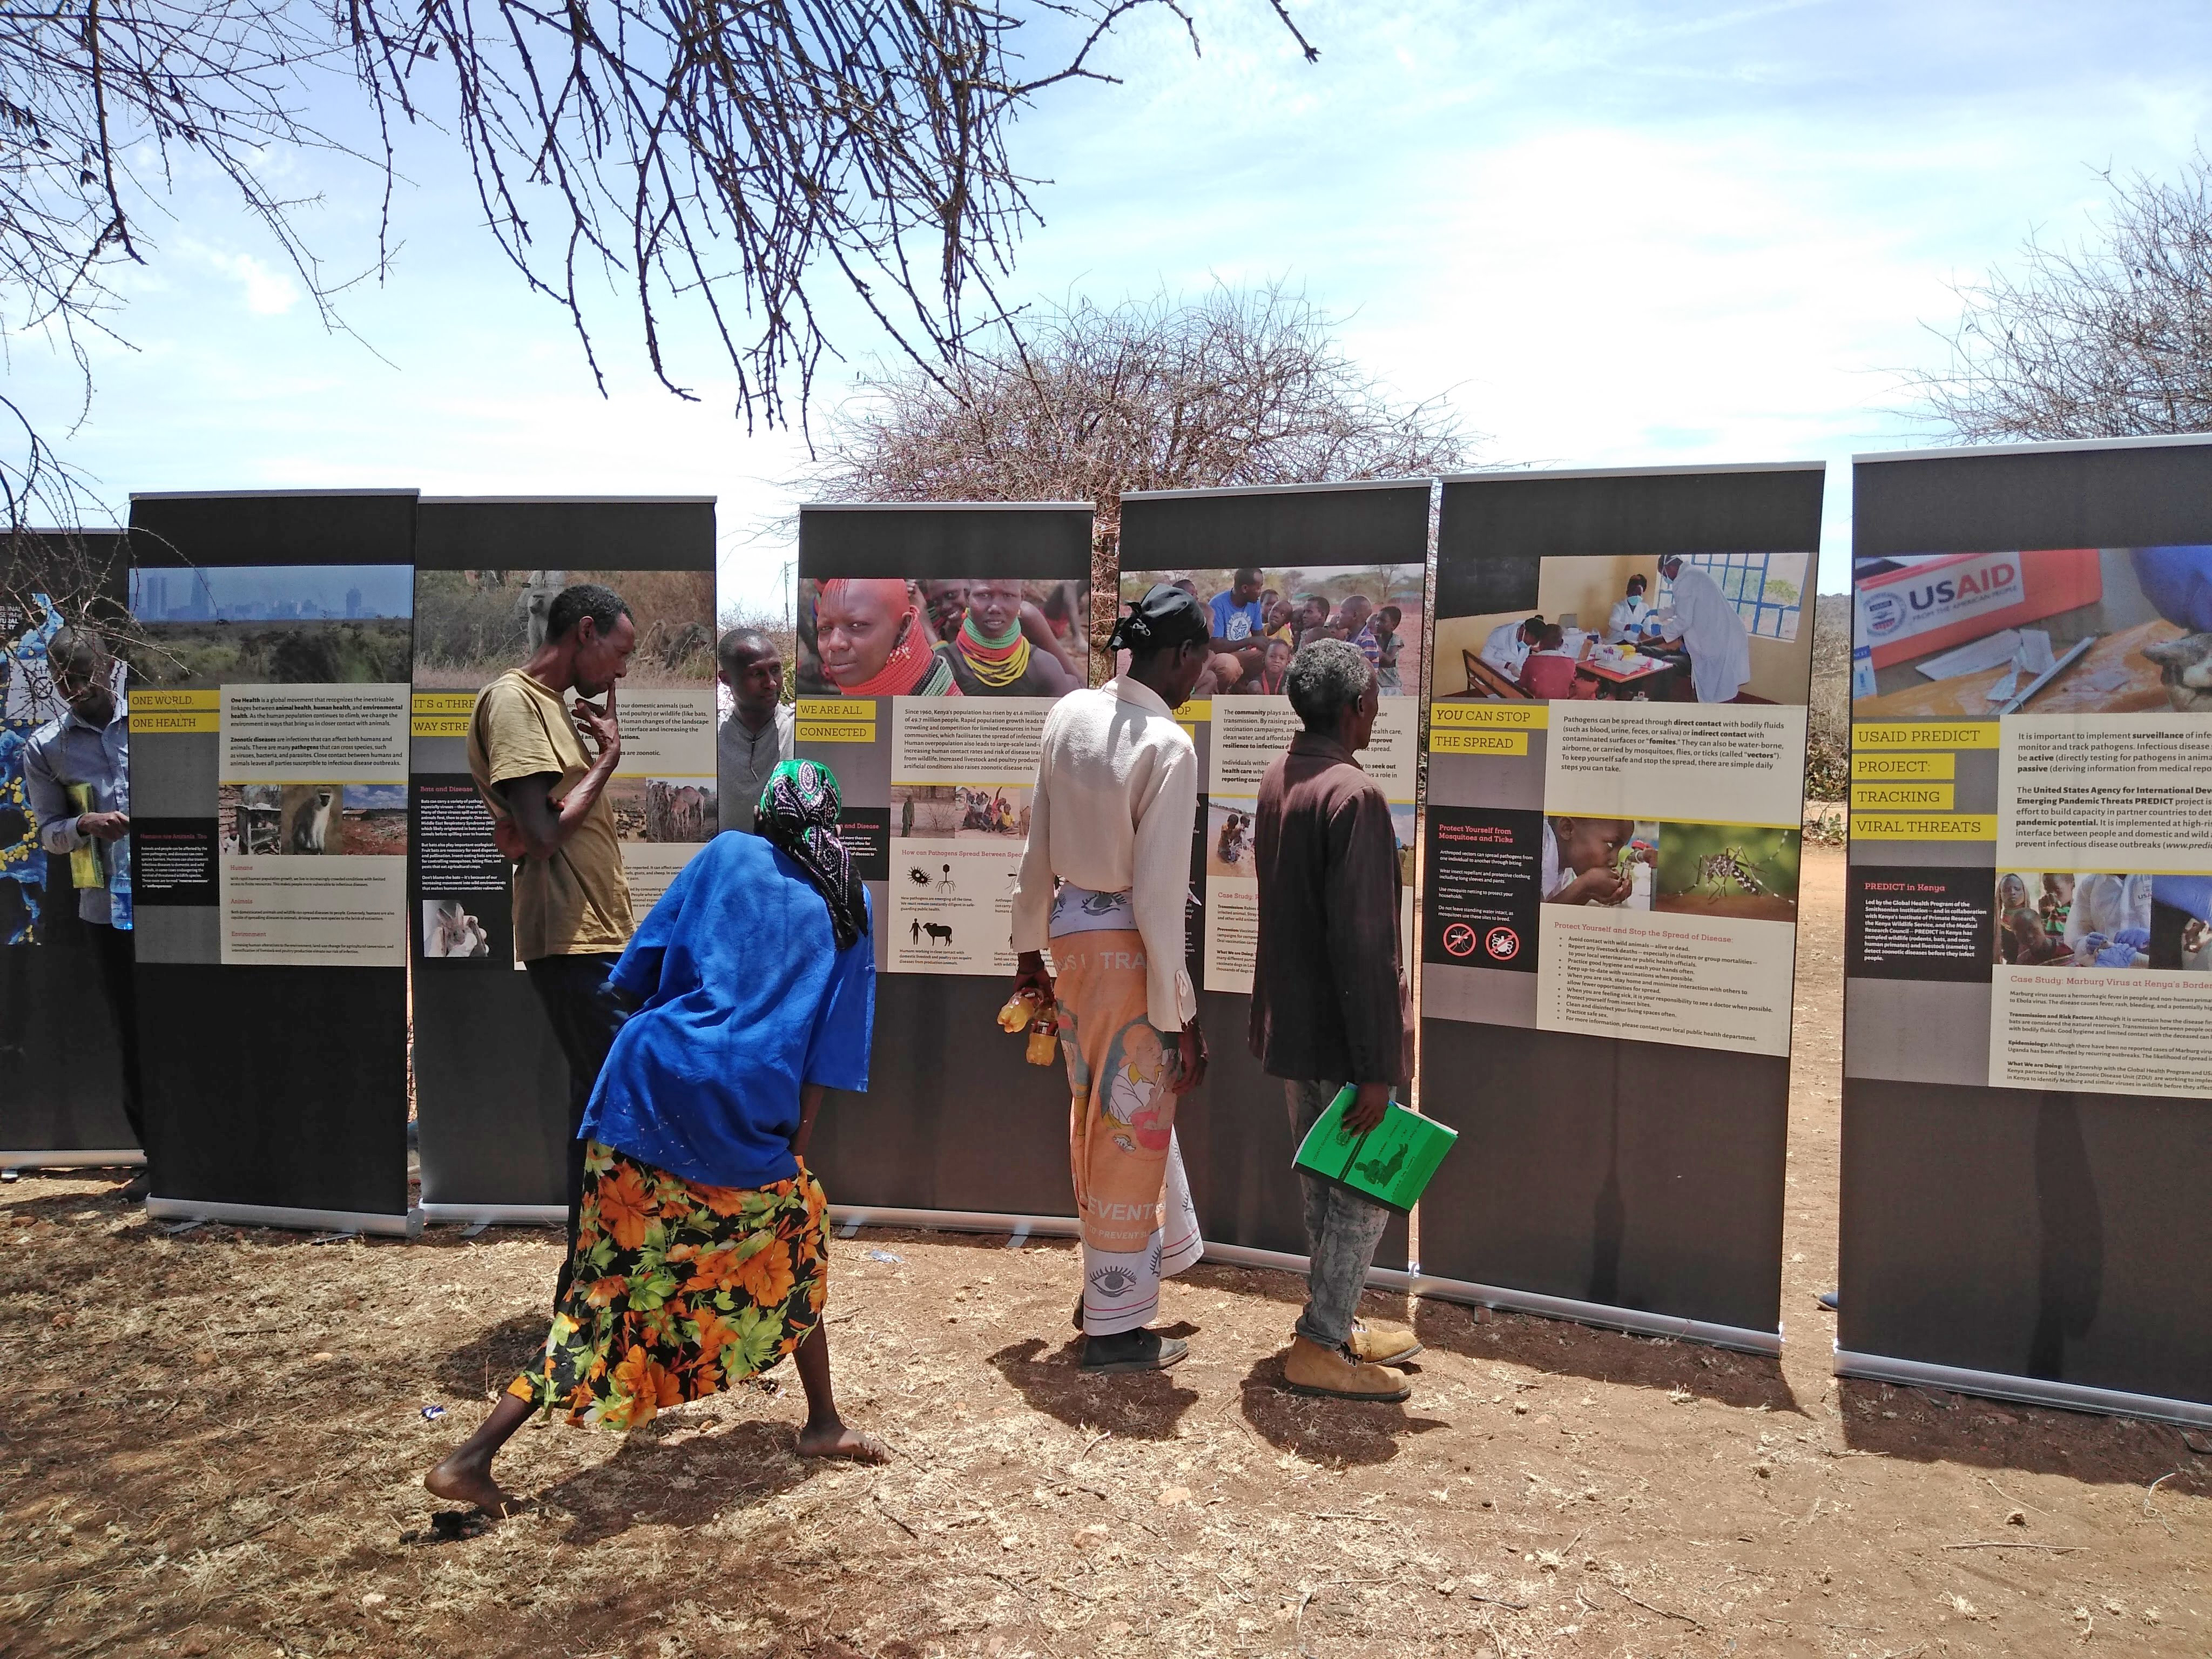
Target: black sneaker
(1133, 1350)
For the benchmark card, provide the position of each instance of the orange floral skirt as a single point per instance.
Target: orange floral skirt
(679, 1291)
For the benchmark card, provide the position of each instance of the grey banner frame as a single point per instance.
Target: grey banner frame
(1235, 1126)
(2045, 1246)
(221, 1046)
(491, 1087)
(1612, 1207)
(954, 1121)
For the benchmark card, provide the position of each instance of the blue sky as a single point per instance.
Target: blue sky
(1616, 235)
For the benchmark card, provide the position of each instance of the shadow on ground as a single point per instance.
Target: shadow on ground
(1333, 1432)
(686, 1481)
(1137, 1405)
(488, 1361)
(1930, 1426)
(1569, 1350)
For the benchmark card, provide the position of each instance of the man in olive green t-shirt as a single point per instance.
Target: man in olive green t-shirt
(550, 814)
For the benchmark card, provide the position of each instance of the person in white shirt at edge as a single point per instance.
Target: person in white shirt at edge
(1115, 804)
(755, 735)
(1629, 614)
(1509, 644)
(1709, 629)
(2108, 910)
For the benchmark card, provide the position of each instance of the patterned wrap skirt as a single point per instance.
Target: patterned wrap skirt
(1140, 1224)
(679, 1290)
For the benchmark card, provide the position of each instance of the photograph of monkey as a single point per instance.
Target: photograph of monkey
(312, 820)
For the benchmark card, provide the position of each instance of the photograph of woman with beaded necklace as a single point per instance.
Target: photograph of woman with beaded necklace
(977, 637)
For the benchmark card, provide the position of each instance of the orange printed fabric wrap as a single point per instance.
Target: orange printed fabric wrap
(679, 1291)
(1135, 1210)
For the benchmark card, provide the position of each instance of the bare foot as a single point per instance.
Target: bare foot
(836, 1440)
(461, 1481)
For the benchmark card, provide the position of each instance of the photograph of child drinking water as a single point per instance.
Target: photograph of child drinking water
(1609, 861)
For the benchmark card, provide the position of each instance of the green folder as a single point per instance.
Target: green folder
(1391, 1163)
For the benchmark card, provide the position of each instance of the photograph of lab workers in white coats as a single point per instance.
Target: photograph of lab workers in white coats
(1630, 617)
(1708, 627)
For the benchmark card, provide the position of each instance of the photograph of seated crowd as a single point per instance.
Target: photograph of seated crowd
(982, 637)
(1259, 617)
(1673, 628)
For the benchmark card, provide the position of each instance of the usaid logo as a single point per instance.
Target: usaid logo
(1950, 593)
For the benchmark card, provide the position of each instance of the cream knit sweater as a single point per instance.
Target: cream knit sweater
(1116, 803)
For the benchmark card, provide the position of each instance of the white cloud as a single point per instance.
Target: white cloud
(267, 291)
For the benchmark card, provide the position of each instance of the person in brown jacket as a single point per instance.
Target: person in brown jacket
(1329, 998)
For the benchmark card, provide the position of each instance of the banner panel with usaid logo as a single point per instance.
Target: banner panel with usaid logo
(1616, 753)
(2027, 1035)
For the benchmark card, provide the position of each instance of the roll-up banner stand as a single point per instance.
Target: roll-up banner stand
(491, 1087)
(1611, 834)
(937, 790)
(269, 807)
(1275, 566)
(61, 1089)
(2027, 1033)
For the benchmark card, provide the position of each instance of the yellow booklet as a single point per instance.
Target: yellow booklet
(84, 862)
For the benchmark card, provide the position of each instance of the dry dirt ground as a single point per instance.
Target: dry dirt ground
(217, 1438)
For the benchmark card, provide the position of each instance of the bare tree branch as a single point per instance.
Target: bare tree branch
(1081, 402)
(2110, 339)
(715, 160)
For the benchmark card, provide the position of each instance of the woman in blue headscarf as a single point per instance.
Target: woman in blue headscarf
(701, 1256)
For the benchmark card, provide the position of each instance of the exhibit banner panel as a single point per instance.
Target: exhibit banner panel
(1616, 750)
(60, 1085)
(491, 1084)
(268, 803)
(933, 643)
(1275, 568)
(2028, 1038)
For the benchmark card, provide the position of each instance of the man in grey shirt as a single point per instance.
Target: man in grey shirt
(89, 747)
(757, 731)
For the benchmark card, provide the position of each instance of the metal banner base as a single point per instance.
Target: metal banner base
(274, 1215)
(1632, 1320)
(849, 1217)
(496, 1215)
(2028, 1390)
(121, 1157)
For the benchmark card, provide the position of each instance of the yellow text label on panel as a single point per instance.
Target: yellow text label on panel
(811, 731)
(152, 699)
(1923, 826)
(190, 719)
(195, 710)
(1916, 797)
(1526, 716)
(1478, 743)
(442, 714)
(1924, 734)
(1198, 708)
(846, 710)
(1880, 766)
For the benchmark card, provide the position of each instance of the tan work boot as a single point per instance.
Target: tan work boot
(1381, 1345)
(1309, 1368)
